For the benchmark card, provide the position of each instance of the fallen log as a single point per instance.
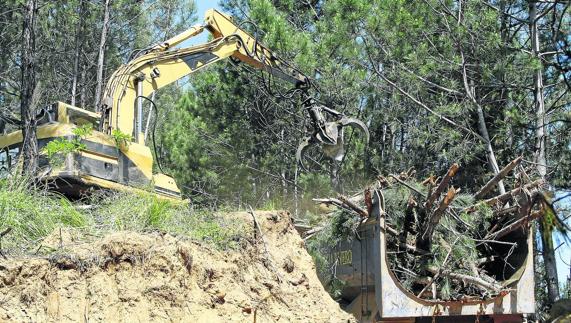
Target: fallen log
(496, 287)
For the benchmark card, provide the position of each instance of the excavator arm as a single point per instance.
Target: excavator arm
(164, 64)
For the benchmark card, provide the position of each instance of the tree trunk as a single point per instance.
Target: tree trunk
(505, 96)
(483, 129)
(83, 90)
(550, 263)
(384, 141)
(539, 103)
(77, 51)
(29, 151)
(540, 158)
(101, 56)
(401, 139)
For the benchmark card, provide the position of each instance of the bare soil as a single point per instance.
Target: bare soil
(154, 277)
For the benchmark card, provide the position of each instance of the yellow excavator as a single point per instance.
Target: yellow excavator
(105, 162)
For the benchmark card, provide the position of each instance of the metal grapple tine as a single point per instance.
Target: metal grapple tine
(305, 142)
(327, 134)
(346, 121)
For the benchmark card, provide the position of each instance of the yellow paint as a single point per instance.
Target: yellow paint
(166, 182)
(346, 257)
(66, 111)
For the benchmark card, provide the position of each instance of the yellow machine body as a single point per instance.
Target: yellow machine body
(103, 163)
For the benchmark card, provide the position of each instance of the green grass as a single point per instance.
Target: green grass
(33, 214)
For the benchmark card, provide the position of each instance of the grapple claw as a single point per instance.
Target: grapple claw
(328, 134)
(345, 121)
(300, 149)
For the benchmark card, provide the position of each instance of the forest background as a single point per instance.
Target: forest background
(476, 82)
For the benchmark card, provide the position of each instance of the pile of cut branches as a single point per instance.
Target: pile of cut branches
(444, 244)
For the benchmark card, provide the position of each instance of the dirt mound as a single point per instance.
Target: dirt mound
(129, 276)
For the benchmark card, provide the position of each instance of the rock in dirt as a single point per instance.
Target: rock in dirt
(288, 265)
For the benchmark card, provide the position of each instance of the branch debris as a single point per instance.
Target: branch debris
(454, 246)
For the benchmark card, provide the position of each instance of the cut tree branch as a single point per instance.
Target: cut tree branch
(407, 185)
(470, 279)
(441, 186)
(504, 197)
(497, 178)
(514, 226)
(353, 206)
(436, 216)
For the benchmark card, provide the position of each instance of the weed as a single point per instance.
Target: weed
(83, 131)
(122, 139)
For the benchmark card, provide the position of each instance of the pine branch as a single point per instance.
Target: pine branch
(441, 186)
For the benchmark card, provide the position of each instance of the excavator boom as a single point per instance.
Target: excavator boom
(164, 64)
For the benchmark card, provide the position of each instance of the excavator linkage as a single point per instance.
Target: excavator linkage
(103, 163)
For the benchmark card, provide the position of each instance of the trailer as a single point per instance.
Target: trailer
(372, 292)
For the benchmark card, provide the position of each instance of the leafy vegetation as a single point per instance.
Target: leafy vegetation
(121, 139)
(57, 149)
(338, 227)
